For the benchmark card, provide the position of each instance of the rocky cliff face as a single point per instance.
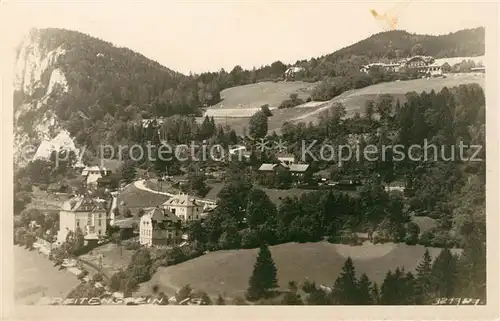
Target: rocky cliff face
(67, 80)
(37, 82)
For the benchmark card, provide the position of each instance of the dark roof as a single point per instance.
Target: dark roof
(85, 204)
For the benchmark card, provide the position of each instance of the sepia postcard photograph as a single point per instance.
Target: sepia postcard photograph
(172, 155)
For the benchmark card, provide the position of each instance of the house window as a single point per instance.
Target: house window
(77, 223)
(173, 211)
(99, 222)
(99, 231)
(189, 216)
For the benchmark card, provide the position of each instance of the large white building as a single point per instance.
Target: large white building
(85, 213)
(186, 207)
(159, 227)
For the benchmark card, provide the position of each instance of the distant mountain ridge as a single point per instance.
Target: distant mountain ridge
(67, 80)
(465, 43)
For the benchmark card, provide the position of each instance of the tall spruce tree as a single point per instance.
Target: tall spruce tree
(263, 278)
(375, 293)
(423, 280)
(386, 290)
(396, 288)
(345, 289)
(444, 274)
(364, 296)
(472, 268)
(408, 293)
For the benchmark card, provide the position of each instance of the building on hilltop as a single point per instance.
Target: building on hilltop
(422, 64)
(159, 227)
(478, 69)
(85, 213)
(434, 70)
(291, 72)
(393, 67)
(417, 62)
(186, 207)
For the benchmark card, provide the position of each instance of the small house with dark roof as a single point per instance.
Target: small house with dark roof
(159, 226)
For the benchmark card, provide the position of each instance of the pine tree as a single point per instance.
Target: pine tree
(472, 268)
(364, 285)
(395, 288)
(408, 296)
(386, 290)
(444, 274)
(263, 278)
(345, 290)
(375, 294)
(423, 280)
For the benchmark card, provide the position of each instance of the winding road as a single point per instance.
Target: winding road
(140, 185)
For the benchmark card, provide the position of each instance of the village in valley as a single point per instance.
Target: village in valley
(261, 220)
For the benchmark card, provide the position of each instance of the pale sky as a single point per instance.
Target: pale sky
(209, 35)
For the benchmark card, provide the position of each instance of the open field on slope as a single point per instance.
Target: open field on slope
(354, 100)
(45, 201)
(258, 94)
(240, 125)
(135, 199)
(456, 60)
(228, 271)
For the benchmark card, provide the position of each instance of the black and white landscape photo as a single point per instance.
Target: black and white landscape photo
(251, 153)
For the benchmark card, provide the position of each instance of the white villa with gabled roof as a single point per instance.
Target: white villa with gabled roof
(184, 206)
(85, 213)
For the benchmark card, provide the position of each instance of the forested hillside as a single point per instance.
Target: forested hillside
(463, 43)
(107, 85)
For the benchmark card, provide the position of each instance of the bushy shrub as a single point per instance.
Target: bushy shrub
(426, 238)
(249, 239)
(265, 109)
(293, 101)
(82, 275)
(444, 239)
(134, 245)
(350, 238)
(379, 238)
(412, 233)
(98, 277)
